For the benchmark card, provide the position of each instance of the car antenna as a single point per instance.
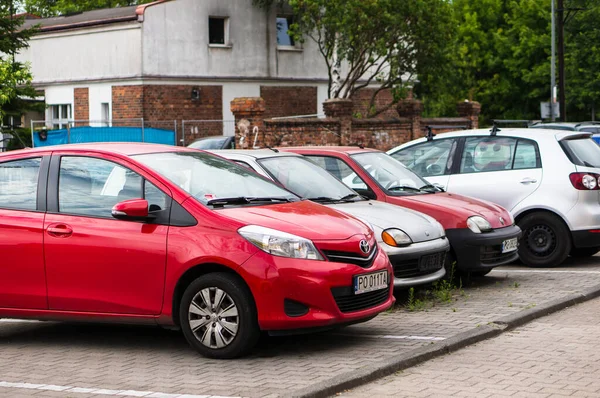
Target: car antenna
(273, 149)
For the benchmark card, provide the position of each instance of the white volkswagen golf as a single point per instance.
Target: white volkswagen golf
(548, 179)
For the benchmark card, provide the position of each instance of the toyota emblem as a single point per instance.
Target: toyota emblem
(501, 220)
(364, 246)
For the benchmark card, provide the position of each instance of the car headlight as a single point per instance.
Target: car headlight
(478, 224)
(396, 237)
(280, 243)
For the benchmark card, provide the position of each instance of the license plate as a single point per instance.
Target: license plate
(370, 282)
(431, 262)
(509, 245)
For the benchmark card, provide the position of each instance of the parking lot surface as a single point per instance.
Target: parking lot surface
(555, 356)
(46, 359)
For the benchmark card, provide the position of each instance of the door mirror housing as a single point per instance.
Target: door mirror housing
(132, 210)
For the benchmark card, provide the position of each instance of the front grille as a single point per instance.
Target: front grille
(418, 266)
(347, 301)
(494, 255)
(351, 258)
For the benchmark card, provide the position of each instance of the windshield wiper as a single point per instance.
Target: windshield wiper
(346, 198)
(244, 200)
(404, 188)
(322, 199)
(431, 188)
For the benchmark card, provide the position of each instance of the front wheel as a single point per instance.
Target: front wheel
(218, 317)
(546, 240)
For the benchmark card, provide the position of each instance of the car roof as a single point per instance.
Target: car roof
(251, 153)
(331, 149)
(122, 148)
(534, 134)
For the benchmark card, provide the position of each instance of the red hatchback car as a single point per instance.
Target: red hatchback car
(482, 235)
(156, 234)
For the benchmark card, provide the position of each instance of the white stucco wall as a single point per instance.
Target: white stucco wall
(99, 94)
(175, 43)
(87, 54)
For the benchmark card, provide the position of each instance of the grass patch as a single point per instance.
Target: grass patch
(443, 291)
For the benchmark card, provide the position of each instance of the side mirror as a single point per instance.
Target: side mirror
(132, 210)
(367, 193)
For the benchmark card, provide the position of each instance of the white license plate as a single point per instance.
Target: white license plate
(509, 245)
(370, 282)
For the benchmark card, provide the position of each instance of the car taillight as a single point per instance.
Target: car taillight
(585, 181)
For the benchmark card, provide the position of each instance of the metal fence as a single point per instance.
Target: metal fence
(55, 132)
(193, 130)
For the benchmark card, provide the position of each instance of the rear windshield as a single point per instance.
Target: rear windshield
(582, 151)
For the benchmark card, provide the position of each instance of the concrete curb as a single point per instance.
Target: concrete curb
(419, 355)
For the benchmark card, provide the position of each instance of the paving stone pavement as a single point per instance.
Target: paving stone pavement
(554, 356)
(151, 359)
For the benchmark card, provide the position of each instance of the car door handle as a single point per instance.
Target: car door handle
(59, 230)
(528, 181)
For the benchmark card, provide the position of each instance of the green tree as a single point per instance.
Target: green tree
(48, 8)
(373, 42)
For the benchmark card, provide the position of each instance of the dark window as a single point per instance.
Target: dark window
(18, 184)
(216, 30)
(283, 35)
(526, 155)
(340, 170)
(433, 158)
(582, 151)
(483, 154)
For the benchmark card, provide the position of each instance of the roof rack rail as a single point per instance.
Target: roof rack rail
(512, 121)
(430, 129)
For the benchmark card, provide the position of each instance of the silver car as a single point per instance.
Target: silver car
(548, 179)
(416, 243)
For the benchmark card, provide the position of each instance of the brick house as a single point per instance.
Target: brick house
(172, 61)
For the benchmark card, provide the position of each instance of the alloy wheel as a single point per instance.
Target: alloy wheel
(213, 318)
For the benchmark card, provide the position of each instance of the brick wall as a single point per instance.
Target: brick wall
(362, 99)
(289, 101)
(127, 102)
(305, 131)
(82, 103)
(380, 134)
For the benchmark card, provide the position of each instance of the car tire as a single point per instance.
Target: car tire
(546, 241)
(584, 251)
(222, 322)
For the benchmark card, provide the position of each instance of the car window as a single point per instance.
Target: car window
(526, 155)
(483, 154)
(429, 158)
(582, 151)
(18, 184)
(594, 130)
(210, 143)
(91, 187)
(340, 170)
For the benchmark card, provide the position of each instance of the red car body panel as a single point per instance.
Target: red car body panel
(60, 266)
(449, 209)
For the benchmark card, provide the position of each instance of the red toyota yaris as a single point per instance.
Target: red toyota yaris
(157, 234)
(482, 235)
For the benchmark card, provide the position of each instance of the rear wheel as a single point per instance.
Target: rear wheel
(218, 317)
(546, 240)
(584, 251)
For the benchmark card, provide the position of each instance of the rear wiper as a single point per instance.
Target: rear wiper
(588, 164)
(244, 200)
(403, 188)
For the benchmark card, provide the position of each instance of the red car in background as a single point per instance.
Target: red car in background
(482, 235)
(143, 233)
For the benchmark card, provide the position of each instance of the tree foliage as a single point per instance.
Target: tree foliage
(15, 77)
(373, 42)
(48, 8)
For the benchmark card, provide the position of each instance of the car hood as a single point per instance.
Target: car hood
(464, 207)
(420, 227)
(305, 218)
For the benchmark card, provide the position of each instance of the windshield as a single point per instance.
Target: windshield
(582, 151)
(208, 177)
(391, 174)
(306, 179)
(209, 143)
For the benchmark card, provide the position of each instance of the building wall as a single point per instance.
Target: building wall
(289, 100)
(127, 102)
(113, 51)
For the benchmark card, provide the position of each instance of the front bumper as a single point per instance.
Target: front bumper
(478, 252)
(407, 264)
(293, 294)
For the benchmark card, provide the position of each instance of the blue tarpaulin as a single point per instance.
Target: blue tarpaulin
(79, 135)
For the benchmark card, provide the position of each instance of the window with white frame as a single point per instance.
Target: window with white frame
(60, 115)
(218, 31)
(105, 113)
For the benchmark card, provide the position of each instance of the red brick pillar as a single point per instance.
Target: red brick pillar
(413, 110)
(82, 105)
(249, 116)
(470, 110)
(341, 109)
